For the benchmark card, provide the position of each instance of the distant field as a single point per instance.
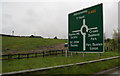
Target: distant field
(26, 44)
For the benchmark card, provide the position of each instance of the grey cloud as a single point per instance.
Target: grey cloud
(48, 19)
(7, 16)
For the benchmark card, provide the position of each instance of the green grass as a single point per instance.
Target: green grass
(32, 63)
(26, 44)
(83, 69)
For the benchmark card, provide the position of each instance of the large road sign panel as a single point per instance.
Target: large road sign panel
(85, 30)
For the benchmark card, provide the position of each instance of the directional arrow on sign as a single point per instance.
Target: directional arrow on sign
(83, 33)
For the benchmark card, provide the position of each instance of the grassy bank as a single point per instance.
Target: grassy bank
(84, 69)
(26, 44)
(32, 63)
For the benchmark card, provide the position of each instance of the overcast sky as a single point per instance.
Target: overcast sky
(49, 18)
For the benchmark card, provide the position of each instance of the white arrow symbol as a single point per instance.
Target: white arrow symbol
(81, 30)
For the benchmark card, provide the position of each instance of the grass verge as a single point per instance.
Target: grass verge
(32, 63)
(83, 69)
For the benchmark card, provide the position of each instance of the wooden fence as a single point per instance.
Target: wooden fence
(32, 55)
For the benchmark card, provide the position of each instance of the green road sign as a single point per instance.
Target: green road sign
(85, 30)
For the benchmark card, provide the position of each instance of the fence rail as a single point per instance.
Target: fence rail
(32, 55)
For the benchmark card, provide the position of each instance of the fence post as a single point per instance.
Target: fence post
(76, 53)
(27, 55)
(9, 56)
(43, 53)
(18, 56)
(56, 52)
(50, 52)
(62, 52)
(35, 54)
